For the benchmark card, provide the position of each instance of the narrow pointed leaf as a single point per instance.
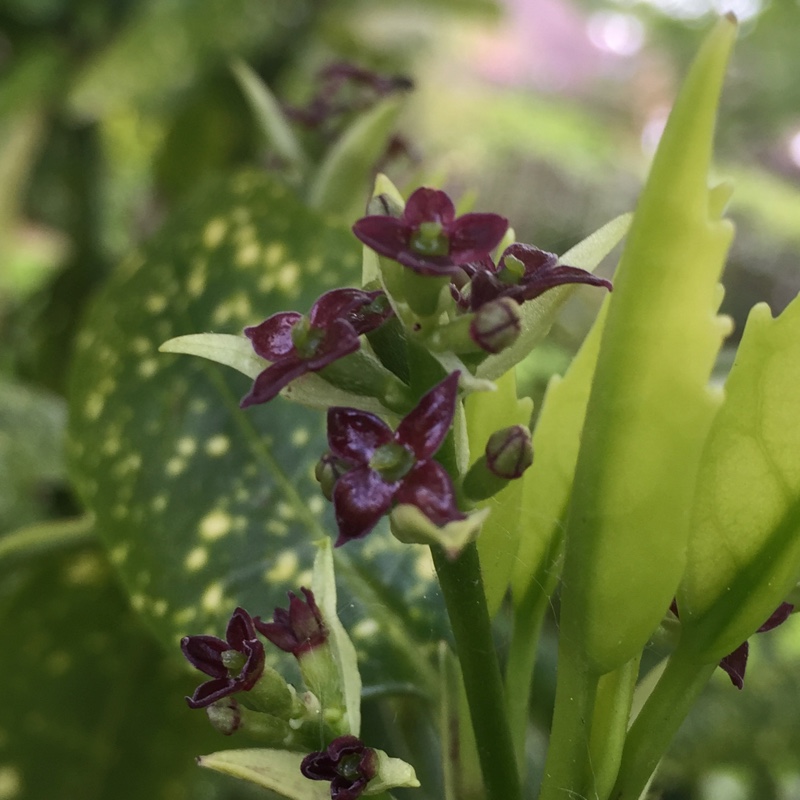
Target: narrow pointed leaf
(650, 407)
(271, 120)
(324, 587)
(340, 185)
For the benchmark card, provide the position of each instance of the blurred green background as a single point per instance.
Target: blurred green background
(115, 113)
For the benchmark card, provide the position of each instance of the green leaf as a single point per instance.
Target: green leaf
(43, 537)
(323, 584)
(92, 708)
(538, 314)
(277, 770)
(341, 184)
(237, 352)
(487, 412)
(548, 482)
(146, 64)
(270, 118)
(650, 407)
(223, 348)
(204, 506)
(32, 424)
(744, 547)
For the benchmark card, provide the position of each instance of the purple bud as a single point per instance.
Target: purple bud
(298, 629)
(509, 452)
(327, 471)
(496, 325)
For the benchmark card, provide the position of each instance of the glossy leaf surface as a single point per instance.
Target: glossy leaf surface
(203, 506)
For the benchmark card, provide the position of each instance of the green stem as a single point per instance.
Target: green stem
(567, 771)
(45, 537)
(612, 709)
(462, 588)
(528, 617)
(658, 722)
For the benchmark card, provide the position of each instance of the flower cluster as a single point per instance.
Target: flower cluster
(371, 467)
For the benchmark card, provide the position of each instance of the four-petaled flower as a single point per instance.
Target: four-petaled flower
(429, 238)
(522, 273)
(393, 467)
(735, 663)
(297, 345)
(298, 629)
(347, 763)
(235, 663)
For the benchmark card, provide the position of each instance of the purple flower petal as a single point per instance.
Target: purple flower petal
(336, 304)
(473, 236)
(385, 235)
(298, 629)
(240, 629)
(354, 435)
(272, 339)
(429, 487)
(360, 499)
(340, 340)
(211, 691)
(428, 205)
(204, 653)
(778, 617)
(425, 427)
(735, 664)
(269, 383)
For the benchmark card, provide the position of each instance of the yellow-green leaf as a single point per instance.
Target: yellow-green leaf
(744, 548)
(650, 407)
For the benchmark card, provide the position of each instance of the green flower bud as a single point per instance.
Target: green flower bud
(496, 325)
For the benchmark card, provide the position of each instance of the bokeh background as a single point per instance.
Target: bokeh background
(114, 112)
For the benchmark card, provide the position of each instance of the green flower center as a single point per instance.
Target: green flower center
(392, 461)
(513, 270)
(306, 339)
(430, 240)
(233, 661)
(349, 767)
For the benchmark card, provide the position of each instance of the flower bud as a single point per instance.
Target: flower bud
(509, 452)
(496, 325)
(225, 715)
(384, 205)
(327, 471)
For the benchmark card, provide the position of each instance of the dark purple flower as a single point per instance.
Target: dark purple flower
(428, 237)
(297, 345)
(298, 629)
(343, 89)
(735, 663)
(523, 273)
(393, 467)
(347, 763)
(235, 664)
